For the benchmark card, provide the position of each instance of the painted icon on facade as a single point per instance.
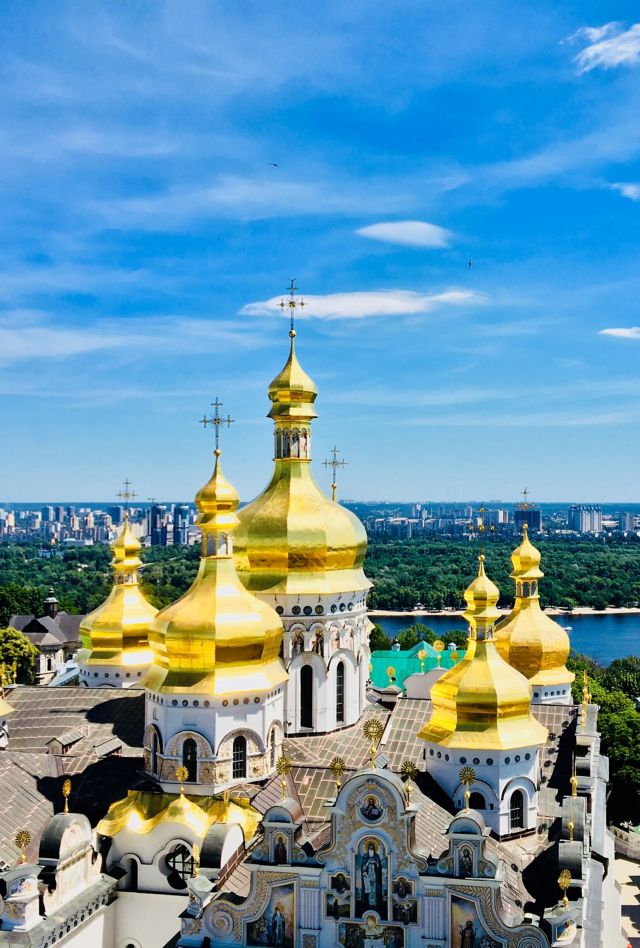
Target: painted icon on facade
(371, 878)
(277, 924)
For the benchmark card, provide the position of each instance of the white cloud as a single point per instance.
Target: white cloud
(609, 46)
(374, 303)
(632, 332)
(628, 189)
(408, 233)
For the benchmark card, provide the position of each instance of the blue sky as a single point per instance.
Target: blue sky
(147, 236)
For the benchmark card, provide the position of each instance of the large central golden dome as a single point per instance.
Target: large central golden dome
(292, 538)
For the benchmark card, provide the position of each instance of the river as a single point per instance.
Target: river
(602, 637)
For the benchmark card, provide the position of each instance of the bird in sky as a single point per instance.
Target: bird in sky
(469, 263)
(274, 164)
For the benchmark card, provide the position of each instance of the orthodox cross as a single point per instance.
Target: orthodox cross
(66, 793)
(467, 777)
(127, 494)
(217, 421)
(334, 464)
(292, 304)
(525, 503)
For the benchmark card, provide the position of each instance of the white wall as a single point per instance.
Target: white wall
(145, 920)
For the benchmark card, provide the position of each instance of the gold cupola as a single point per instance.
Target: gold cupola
(217, 639)
(292, 538)
(115, 634)
(527, 638)
(482, 703)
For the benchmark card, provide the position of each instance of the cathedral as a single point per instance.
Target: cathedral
(226, 774)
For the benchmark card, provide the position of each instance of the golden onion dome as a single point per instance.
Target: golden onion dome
(482, 703)
(292, 538)
(116, 632)
(527, 638)
(218, 638)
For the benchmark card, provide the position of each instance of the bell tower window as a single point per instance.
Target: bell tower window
(340, 693)
(239, 758)
(516, 811)
(306, 696)
(190, 759)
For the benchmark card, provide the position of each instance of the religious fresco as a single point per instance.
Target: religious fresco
(370, 934)
(371, 810)
(371, 878)
(466, 928)
(337, 907)
(341, 883)
(405, 912)
(465, 862)
(402, 888)
(277, 924)
(280, 851)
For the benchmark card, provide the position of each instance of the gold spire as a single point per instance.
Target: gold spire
(217, 639)
(116, 632)
(481, 702)
(292, 538)
(527, 638)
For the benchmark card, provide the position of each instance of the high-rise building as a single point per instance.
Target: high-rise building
(585, 518)
(158, 525)
(527, 513)
(626, 522)
(181, 522)
(60, 516)
(48, 514)
(117, 515)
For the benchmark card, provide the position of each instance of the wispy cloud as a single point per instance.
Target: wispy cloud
(608, 46)
(629, 189)
(375, 303)
(631, 332)
(408, 234)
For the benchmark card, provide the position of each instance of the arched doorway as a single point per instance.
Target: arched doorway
(477, 801)
(306, 696)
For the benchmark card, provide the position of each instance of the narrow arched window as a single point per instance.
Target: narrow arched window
(272, 748)
(190, 759)
(154, 754)
(340, 693)
(516, 810)
(306, 696)
(476, 801)
(239, 759)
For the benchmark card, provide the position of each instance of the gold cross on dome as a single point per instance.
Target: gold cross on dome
(334, 464)
(292, 304)
(217, 421)
(525, 494)
(127, 494)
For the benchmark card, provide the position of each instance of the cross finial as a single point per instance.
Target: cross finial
(292, 303)
(127, 494)
(525, 494)
(334, 464)
(217, 421)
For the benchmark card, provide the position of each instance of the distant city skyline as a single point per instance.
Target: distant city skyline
(461, 215)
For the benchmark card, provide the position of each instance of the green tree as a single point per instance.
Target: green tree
(378, 640)
(16, 599)
(17, 658)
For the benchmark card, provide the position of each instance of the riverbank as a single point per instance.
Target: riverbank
(551, 611)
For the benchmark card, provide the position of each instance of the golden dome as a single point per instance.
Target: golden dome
(116, 632)
(217, 639)
(292, 538)
(528, 639)
(482, 703)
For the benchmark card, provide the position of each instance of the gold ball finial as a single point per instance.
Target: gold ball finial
(481, 558)
(337, 768)
(439, 646)
(390, 674)
(467, 777)
(564, 881)
(22, 839)
(373, 731)
(66, 793)
(182, 775)
(283, 769)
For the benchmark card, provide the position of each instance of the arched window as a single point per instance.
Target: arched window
(306, 696)
(49, 664)
(272, 748)
(476, 801)
(190, 759)
(516, 811)
(180, 866)
(239, 762)
(154, 754)
(340, 693)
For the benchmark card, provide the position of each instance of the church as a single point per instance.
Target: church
(226, 774)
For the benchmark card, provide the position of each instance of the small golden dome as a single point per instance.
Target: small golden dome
(218, 638)
(292, 538)
(527, 638)
(116, 632)
(482, 703)
(292, 391)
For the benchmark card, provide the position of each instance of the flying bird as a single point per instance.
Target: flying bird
(469, 263)
(274, 164)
